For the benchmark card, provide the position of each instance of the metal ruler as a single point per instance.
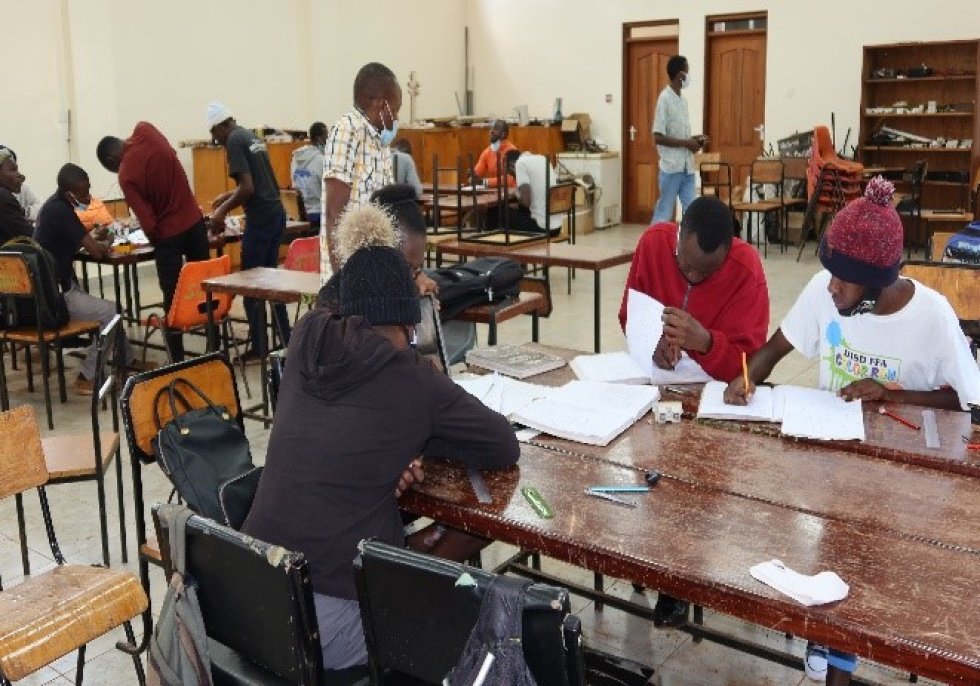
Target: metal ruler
(929, 426)
(479, 486)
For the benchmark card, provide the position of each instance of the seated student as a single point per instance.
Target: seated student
(13, 220)
(404, 163)
(486, 167)
(94, 214)
(61, 233)
(878, 337)
(712, 286)
(357, 405)
(532, 175)
(964, 246)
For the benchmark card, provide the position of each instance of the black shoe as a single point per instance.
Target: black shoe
(669, 612)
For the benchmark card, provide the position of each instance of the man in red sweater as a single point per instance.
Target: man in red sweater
(711, 285)
(716, 305)
(156, 189)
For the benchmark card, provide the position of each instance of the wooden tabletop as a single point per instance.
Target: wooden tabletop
(912, 603)
(265, 283)
(553, 254)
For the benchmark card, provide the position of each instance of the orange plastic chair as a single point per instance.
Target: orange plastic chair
(303, 255)
(188, 311)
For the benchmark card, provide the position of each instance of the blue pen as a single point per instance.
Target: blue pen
(625, 488)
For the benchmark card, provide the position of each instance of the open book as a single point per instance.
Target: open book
(503, 394)
(588, 411)
(644, 327)
(804, 412)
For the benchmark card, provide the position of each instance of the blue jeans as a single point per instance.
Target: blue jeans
(260, 248)
(671, 186)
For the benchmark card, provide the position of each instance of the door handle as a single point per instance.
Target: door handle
(632, 133)
(761, 128)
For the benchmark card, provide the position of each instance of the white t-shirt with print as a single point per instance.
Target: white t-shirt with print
(919, 348)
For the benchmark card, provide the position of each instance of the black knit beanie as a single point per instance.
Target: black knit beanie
(376, 283)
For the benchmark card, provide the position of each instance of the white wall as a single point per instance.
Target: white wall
(531, 52)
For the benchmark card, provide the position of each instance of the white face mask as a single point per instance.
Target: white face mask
(686, 81)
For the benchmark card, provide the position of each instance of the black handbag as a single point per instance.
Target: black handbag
(206, 456)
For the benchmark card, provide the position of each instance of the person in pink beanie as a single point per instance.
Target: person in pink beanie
(878, 337)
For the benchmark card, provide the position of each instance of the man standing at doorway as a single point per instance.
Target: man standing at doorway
(675, 145)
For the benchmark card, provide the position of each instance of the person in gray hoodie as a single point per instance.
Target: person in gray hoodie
(306, 172)
(357, 405)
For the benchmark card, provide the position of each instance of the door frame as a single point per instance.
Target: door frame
(627, 40)
(708, 35)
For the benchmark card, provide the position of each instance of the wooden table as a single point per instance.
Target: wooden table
(912, 602)
(551, 254)
(271, 286)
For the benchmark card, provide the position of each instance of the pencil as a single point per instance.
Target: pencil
(745, 371)
(901, 420)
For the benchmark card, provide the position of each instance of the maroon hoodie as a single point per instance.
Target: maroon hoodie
(352, 413)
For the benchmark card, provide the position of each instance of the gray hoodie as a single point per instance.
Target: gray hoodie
(306, 172)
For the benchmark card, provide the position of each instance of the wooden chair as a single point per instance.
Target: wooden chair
(214, 375)
(764, 172)
(17, 282)
(275, 641)
(51, 614)
(188, 311)
(936, 246)
(715, 175)
(958, 283)
(422, 634)
(71, 458)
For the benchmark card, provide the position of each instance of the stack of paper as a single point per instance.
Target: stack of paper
(804, 412)
(644, 328)
(590, 412)
(513, 360)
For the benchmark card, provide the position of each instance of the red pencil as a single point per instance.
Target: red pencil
(901, 420)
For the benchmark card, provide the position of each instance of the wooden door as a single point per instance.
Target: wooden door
(645, 76)
(736, 97)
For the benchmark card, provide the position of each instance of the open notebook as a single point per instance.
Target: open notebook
(584, 411)
(804, 412)
(644, 327)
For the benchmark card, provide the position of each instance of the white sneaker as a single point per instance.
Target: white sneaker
(815, 662)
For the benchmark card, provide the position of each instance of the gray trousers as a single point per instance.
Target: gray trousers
(341, 632)
(87, 307)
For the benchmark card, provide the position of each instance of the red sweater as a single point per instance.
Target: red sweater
(733, 303)
(155, 185)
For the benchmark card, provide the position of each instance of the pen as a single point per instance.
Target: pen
(687, 294)
(901, 420)
(745, 371)
(610, 497)
(620, 488)
(680, 390)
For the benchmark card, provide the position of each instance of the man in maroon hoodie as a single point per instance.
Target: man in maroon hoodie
(716, 305)
(156, 189)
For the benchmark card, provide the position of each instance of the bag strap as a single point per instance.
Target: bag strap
(24, 240)
(176, 517)
(173, 395)
(502, 611)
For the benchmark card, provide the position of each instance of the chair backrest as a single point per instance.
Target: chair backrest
(429, 332)
(937, 244)
(959, 283)
(768, 171)
(422, 632)
(292, 202)
(189, 307)
(561, 198)
(212, 373)
(22, 465)
(716, 176)
(823, 147)
(108, 359)
(303, 255)
(256, 600)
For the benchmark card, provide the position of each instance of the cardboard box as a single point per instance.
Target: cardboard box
(576, 128)
(583, 223)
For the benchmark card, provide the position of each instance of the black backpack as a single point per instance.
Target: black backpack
(47, 293)
(479, 281)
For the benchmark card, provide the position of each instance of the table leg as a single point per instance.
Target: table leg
(261, 306)
(492, 334)
(117, 288)
(597, 306)
(127, 275)
(534, 326)
(211, 333)
(837, 677)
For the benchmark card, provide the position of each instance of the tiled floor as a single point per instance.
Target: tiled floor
(678, 660)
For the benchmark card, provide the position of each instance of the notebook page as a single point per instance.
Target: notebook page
(644, 327)
(812, 413)
(612, 367)
(634, 401)
(515, 394)
(713, 406)
(581, 424)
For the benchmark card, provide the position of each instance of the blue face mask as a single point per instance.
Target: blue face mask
(495, 146)
(388, 135)
(80, 206)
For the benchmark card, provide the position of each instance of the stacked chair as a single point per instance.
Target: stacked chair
(832, 182)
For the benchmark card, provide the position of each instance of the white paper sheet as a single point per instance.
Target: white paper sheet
(812, 413)
(609, 367)
(644, 327)
(764, 406)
